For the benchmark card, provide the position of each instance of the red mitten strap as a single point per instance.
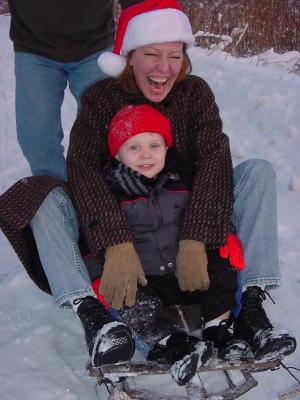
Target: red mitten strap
(96, 284)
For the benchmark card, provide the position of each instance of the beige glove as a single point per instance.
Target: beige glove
(122, 271)
(191, 262)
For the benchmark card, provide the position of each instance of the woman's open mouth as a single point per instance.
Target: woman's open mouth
(157, 83)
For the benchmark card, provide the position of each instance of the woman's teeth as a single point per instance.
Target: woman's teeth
(157, 82)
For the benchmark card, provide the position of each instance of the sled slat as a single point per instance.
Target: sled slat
(134, 369)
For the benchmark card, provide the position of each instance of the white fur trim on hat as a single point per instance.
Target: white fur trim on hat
(157, 26)
(111, 64)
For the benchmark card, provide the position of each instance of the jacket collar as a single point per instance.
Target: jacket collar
(121, 177)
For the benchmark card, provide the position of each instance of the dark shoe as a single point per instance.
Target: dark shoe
(183, 353)
(229, 348)
(109, 341)
(254, 326)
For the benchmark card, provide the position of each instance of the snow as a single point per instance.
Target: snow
(43, 352)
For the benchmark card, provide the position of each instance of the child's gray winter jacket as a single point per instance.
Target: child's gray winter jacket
(154, 208)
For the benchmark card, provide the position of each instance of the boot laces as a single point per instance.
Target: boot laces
(263, 295)
(253, 310)
(94, 312)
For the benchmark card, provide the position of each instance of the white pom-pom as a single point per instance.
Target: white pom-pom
(111, 64)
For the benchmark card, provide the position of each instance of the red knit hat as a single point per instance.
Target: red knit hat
(152, 21)
(132, 120)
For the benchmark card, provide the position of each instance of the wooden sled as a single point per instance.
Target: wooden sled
(131, 380)
(224, 380)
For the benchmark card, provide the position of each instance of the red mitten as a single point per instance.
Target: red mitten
(234, 251)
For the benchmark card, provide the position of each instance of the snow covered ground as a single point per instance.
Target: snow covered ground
(42, 349)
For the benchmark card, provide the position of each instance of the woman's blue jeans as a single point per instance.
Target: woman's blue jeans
(40, 86)
(55, 228)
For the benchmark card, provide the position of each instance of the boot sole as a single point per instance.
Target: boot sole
(183, 370)
(236, 352)
(276, 350)
(113, 345)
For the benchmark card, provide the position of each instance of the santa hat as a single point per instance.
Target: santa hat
(132, 120)
(152, 21)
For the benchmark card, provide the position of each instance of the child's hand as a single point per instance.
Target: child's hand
(122, 271)
(191, 263)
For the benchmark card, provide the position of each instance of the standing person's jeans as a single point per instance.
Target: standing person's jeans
(40, 86)
(55, 228)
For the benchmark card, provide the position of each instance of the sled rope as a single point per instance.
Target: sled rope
(121, 396)
(293, 393)
(116, 394)
(106, 381)
(289, 395)
(288, 370)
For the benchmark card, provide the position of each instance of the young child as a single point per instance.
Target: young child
(151, 183)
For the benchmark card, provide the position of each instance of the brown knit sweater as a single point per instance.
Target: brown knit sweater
(197, 134)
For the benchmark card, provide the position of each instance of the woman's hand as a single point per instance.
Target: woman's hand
(122, 271)
(191, 263)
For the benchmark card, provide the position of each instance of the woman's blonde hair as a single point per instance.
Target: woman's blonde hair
(127, 81)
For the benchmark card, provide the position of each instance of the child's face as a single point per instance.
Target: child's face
(144, 153)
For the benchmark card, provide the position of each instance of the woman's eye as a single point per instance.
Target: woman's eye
(150, 54)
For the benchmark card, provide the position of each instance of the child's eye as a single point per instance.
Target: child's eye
(134, 147)
(155, 146)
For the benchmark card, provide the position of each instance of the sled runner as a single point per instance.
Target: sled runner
(228, 381)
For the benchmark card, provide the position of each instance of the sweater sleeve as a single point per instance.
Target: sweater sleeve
(102, 221)
(208, 213)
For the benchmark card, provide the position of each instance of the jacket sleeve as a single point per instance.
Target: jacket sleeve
(102, 221)
(208, 213)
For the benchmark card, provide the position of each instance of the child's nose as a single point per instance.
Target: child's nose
(145, 153)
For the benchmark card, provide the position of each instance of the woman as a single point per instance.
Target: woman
(152, 65)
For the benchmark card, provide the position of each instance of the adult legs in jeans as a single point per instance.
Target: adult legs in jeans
(255, 219)
(40, 85)
(55, 229)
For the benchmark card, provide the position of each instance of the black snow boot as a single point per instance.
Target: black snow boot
(109, 341)
(253, 325)
(183, 353)
(228, 347)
